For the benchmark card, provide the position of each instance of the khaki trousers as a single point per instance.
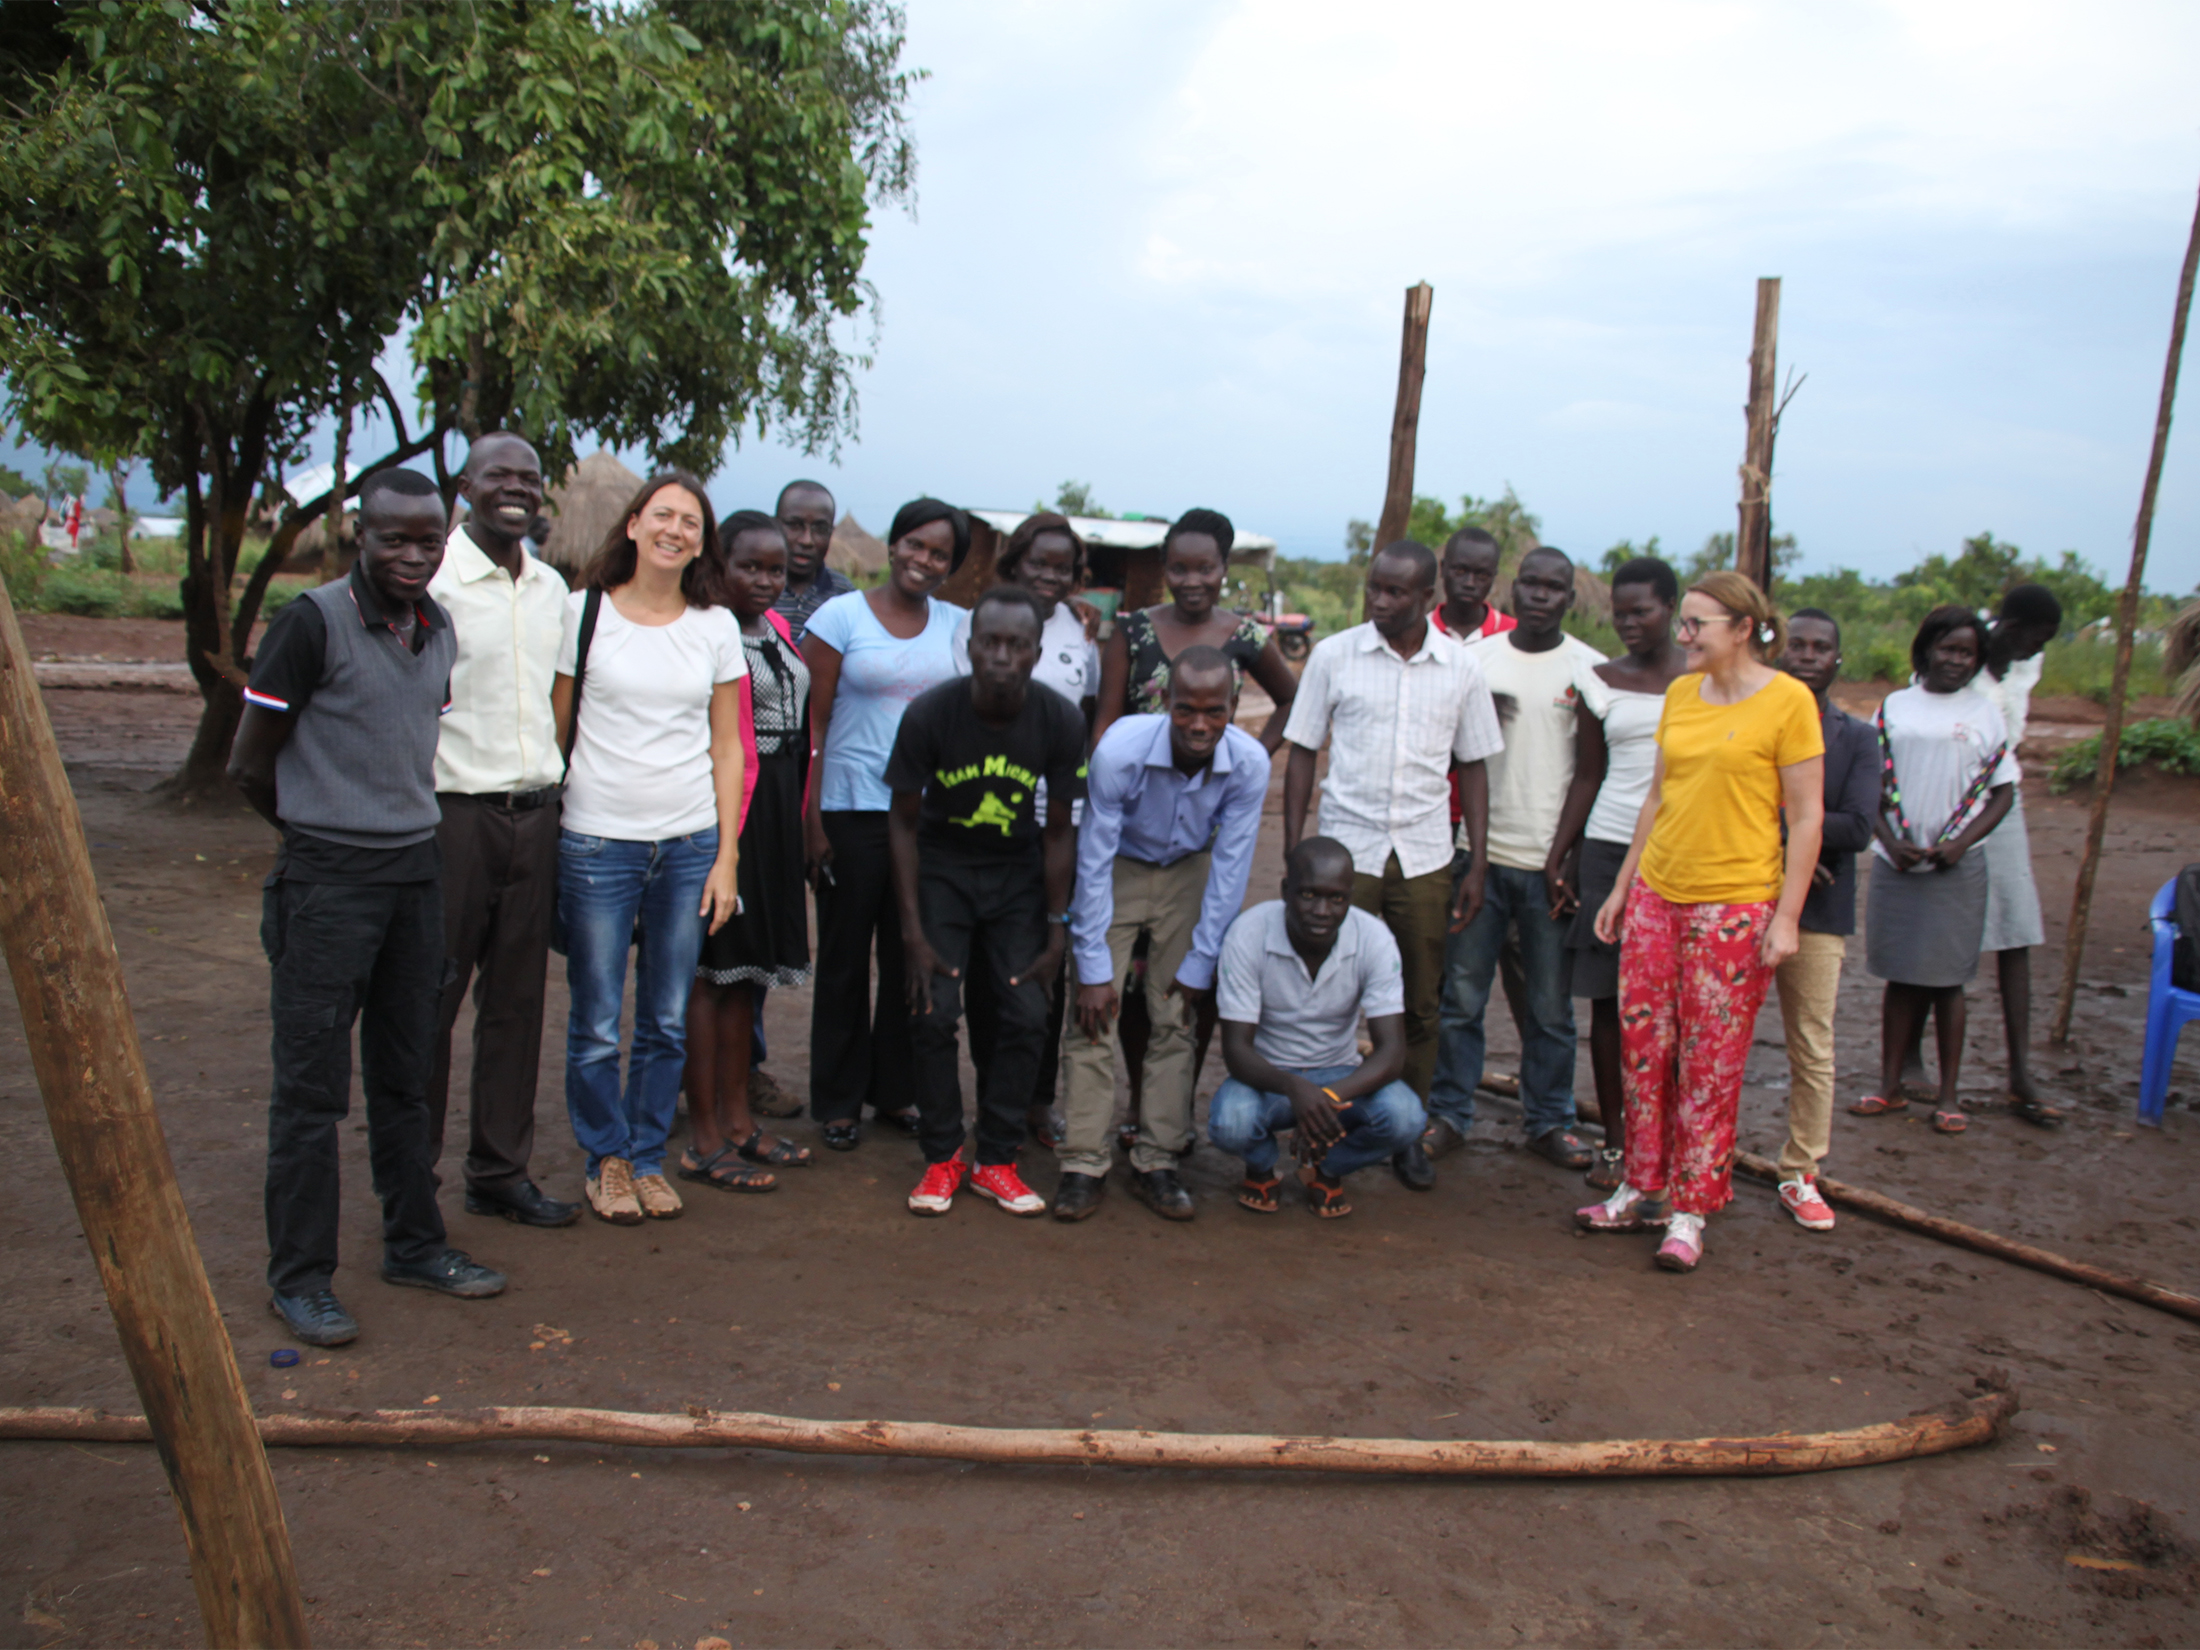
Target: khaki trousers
(1810, 982)
(1417, 911)
(1162, 902)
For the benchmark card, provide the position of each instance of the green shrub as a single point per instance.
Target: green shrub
(84, 592)
(2170, 744)
(23, 566)
(2082, 667)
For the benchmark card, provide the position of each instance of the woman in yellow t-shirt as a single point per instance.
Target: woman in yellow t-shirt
(1707, 902)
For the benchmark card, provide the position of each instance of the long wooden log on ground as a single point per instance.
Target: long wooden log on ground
(83, 1045)
(1960, 1425)
(1897, 1213)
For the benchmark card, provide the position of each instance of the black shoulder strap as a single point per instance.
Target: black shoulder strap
(590, 608)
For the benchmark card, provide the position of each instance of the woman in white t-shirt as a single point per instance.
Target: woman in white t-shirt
(1949, 780)
(648, 703)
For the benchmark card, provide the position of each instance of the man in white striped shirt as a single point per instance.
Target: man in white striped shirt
(1403, 708)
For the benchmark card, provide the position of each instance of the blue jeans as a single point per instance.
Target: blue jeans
(604, 883)
(1244, 1122)
(1513, 899)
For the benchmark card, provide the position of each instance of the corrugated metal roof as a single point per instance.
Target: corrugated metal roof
(1132, 535)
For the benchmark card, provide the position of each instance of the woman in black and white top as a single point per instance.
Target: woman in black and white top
(767, 941)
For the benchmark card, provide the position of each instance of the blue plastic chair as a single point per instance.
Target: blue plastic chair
(2168, 1009)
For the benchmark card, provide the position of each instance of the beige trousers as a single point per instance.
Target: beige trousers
(1161, 902)
(1810, 983)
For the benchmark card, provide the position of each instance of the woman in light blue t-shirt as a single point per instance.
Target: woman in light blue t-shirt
(870, 652)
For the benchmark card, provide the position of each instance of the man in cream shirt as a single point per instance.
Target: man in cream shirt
(497, 773)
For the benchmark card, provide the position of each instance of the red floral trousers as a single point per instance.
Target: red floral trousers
(1690, 984)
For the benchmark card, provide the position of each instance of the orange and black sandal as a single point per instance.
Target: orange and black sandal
(1878, 1105)
(1259, 1194)
(1950, 1122)
(1325, 1197)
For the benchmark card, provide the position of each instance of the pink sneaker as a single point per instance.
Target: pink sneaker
(1682, 1249)
(1626, 1210)
(935, 1193)
(1001, 1183)
(1800, 1198)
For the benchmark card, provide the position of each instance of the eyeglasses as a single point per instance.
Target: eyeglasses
(1688, 628)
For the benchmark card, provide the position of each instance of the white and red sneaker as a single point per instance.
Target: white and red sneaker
(935, 1193)
(1005, 1186)
(1682, 1250)
(1801, 1199)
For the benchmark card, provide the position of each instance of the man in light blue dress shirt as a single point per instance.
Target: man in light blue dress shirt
(1172, 813)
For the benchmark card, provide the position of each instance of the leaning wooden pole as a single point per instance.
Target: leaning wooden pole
(1405, 419)
(99, 1104)
(1960, 1425)
(1897, 1213)
(1753, 528)
(2127, 621)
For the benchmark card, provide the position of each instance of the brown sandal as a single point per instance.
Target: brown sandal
(773, 1151)
(1878, 1105)
(1259, 1195)
(715, 1170)
(2037, 1112)
(1325, 1198)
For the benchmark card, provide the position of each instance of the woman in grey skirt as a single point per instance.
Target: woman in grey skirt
(1949, 780)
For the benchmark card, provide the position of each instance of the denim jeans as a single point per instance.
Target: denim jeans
(342, 954)
(604, 883)
(1514, 899)
(1244, 1122)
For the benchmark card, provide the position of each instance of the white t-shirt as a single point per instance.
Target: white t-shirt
(1630, 759)
(1529, 777)
(1940, 741)
(641, 752)
(2012, 695)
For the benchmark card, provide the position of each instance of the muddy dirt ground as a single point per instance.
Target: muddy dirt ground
(1473, 1312)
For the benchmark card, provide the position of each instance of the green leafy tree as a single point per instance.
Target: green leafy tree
(637, 221)
(1074, 498)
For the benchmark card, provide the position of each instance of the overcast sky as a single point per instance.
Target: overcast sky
(1162, 247)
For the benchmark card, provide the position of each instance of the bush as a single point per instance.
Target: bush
(2170, 744)
(23, 566)
(2081, 666)
(84, 593)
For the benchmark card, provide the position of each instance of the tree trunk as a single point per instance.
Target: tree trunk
(1405, 417)
(1753, 531)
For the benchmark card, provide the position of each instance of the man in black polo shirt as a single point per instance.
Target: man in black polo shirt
(337, 751)
(982, 884)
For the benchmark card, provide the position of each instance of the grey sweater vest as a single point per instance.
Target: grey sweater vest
(359, 768)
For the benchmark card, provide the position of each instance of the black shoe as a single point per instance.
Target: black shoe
(1160, 1191)
(1077, 1196)
(522, 1201)
(1413, 1169)
(453, 1272)
(908, 1120)
(843, 1136)
(1563, 1147)
(318, 1319)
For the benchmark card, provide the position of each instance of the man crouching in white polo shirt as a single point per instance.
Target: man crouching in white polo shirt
(1296, 976)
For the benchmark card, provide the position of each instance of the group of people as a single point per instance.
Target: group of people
(1007, 825)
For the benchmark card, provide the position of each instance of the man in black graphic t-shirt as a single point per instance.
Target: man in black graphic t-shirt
(983, 880)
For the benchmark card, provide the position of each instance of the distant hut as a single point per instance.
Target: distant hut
(854, 553)
(584, 508)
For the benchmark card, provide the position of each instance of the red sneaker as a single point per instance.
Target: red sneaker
(1803, 1200)
(1005, 1186)
(935, 1193)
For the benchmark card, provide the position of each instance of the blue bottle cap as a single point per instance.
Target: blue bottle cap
(285, 1359)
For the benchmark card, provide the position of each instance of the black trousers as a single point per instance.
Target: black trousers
(340, 953)
(500, 892)
(859, 1054)
(984, 1021)
(982, 918)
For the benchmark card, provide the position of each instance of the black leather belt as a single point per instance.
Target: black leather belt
(516, 801)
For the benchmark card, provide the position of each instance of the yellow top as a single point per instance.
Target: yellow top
(1716, 840)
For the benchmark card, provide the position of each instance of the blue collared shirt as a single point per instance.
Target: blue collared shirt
(1138, 805)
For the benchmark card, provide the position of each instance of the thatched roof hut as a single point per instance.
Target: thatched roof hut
(854, 552)
(583, 509)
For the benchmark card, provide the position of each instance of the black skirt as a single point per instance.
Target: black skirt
(767, 942)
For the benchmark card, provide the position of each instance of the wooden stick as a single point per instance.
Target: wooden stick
(1987, 1243)
(1405, 421)
(1976, 1420)
(1753, 534)
(99, 1104)
(2119, 686)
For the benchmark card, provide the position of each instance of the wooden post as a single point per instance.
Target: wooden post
(1405, 422)
(99, 1104)
(1753, 533)
(2127, 620)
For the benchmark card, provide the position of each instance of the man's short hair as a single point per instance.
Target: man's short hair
(1819, 614)
(1549, 550)
(405, 483)
(1480, 537)
(802, 487)
(1011, 595)
(2032, 604)
(1422, 558)
(1199, 660)
(482, 440)
(1664, 583)
(1312, 854)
